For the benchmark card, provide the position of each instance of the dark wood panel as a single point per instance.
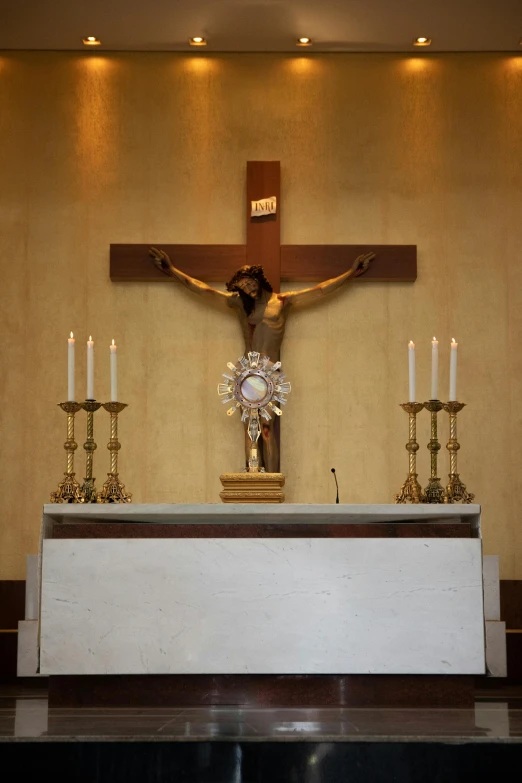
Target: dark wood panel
(8, 652)
(514, 655)
(264, 233)
(211, 263)
(309, 263)
(298, 263)
(12, 602)
(511, 602)
(354, 690)
(180, 530)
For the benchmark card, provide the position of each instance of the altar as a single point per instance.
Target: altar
(189, 600)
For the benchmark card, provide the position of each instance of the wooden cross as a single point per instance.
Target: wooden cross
(282, 263)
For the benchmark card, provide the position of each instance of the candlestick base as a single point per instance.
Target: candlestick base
(114, 491)
(434, 492)
(456, 491)
(69, 491)
(411, 491)
(88, 487)
(88, 490)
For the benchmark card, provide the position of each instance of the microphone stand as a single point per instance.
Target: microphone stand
(337, 485)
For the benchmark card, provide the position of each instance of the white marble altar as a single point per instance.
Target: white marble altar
(491, 571)
(27, 649)
(32, 587)
(496, 648)
(219, 513)
(262, 605)
(496, 643)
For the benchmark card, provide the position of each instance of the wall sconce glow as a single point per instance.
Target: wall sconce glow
(304, 41)
(422, 41)
(91, 41)
(197, 41)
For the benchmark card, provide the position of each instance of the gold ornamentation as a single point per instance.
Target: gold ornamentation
(253, 385)
(434, 492)
(455, 490)
(113, 490)
(411, 490)
(252, 488)
(69, 490)
(88, 486)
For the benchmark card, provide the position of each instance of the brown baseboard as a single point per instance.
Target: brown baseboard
(262, 530)
(12, 609)
(8, 654)
(263, 690)
(511, 602)
(12, 602)
(514, 655)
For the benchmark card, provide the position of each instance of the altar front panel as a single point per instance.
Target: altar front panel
(272, 606)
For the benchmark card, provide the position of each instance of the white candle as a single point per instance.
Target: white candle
(114, 371)
(411, 364)
(453, 370)
(70, 368)
(90, 369)
(434, 369)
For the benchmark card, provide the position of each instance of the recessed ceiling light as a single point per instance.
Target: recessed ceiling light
(304, 41)
(197, 41)
(422, 41)
(91, 41)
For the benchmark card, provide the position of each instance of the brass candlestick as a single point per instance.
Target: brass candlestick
(88, 486)
(411, 490)
(113, 490)
(455, 490)
(434, 491)
(69, 490)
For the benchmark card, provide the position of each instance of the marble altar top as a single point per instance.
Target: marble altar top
(255, 513)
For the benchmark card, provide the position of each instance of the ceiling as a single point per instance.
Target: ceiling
(262, 25)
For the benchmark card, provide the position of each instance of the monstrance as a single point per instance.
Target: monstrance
(254, 385)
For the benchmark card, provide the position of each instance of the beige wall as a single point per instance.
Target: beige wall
(99, 148)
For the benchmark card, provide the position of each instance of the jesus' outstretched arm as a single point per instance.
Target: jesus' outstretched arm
(309, 295)
(163, 262)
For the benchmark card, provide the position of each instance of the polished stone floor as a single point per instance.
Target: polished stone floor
(24, 715)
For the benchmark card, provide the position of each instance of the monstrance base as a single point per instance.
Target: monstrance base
(252, 488)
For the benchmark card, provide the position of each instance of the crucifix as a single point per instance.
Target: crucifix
(254, 292)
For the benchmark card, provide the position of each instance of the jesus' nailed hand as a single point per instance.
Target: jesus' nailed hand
(262, 313)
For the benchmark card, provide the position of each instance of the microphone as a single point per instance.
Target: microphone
(337, 485)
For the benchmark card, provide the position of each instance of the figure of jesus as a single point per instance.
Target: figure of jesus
(262, 315)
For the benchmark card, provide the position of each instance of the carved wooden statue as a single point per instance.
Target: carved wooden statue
(262, 314)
